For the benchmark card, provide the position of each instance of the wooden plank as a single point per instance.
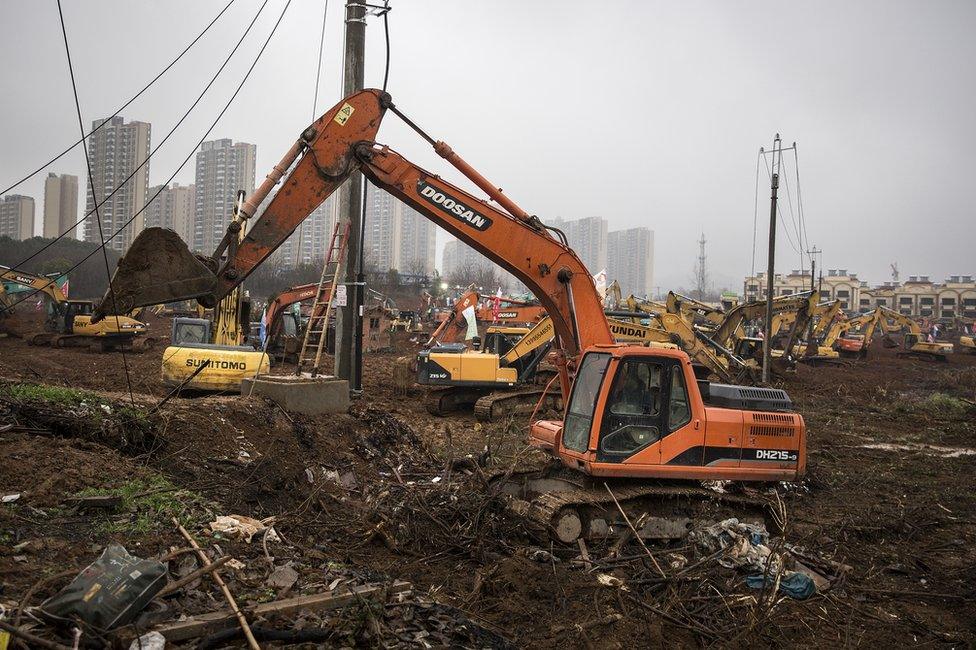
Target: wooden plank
(216, 621)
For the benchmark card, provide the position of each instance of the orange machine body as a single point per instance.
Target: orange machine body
(708, 443)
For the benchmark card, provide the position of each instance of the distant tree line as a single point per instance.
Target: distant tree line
(87, 282)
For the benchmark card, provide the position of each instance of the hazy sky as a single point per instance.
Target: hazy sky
(645, 113)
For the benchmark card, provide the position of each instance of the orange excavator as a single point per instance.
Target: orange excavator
(453, 328)
(510, 311)
(282, 332)
(633, 414)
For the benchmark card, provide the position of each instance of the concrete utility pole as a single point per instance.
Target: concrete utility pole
(350, 206)
(771, 259)
(813, 252)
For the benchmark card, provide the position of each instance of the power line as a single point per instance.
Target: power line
(125, 105)
(192, 151)
(780, 216)
(91, 181)
(151, 153)
(755, 211)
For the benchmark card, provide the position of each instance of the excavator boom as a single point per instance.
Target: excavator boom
(160, 269)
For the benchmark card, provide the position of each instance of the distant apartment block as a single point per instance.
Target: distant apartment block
(173, 208)
(588, 237)
(458, 256)
(397, 236)
(630, 260)
(17, 216)
(223, 167)
(837, 284)
(309, 244)
(919, 296)
(60, 205)
(116, 150)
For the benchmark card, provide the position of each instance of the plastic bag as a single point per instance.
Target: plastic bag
(111, 591)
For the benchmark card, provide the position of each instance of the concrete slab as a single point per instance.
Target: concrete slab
(306, 395)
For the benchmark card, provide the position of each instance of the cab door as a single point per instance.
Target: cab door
(634, 415)
(684, 430)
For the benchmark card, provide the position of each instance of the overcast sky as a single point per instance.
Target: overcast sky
(645, 113)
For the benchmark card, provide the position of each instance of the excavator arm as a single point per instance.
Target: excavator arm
(160, 268)
(40, 284)
(752, 310)
(451, 328)
(689, 308)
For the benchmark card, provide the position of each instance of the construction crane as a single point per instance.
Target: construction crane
(631, 412)
(69, 323)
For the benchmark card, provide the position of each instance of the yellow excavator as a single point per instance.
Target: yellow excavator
(967, 343)
(731, 334)
(68, 322)
(816, 349)
(210, 354)
(694, 311)
(492, 378)
(913, 344)
(852, 337)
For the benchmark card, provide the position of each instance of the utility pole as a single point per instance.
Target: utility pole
(351, 208)
(771, 260)
(813, 275)
(813, 252)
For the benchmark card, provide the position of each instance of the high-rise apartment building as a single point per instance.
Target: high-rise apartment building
(173, 208)
(631, 260)
(417, 243)
(397, 236)
(223, 168)
(309, 244)
(116, 151)
(588, 237)
(17, 216)
(458, 256)
(60, 205)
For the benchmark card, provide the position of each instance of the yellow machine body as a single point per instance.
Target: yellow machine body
(229, 365)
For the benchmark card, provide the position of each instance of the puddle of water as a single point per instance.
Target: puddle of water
(931, 450)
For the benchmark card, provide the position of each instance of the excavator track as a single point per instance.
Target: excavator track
(571, 508)
(441, 401)
(500, 405)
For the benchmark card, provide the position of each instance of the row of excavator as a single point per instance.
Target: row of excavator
(500, 374)
(648, 398)
(68, 323)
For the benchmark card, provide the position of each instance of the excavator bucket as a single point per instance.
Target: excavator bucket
(158, 268)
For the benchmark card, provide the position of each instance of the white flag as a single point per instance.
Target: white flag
(469, 316)
(600, 279)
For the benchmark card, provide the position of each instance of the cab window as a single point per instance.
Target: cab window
(679, 412)
(586, 387)
(632, 419)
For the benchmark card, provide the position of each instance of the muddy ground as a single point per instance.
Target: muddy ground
(373, 496)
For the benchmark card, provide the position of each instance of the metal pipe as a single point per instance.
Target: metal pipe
(444, 151)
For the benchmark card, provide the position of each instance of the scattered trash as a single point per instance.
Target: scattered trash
(110, 592)
(791, 583)
(608, 580)
(9, 498)
(746, 543)
(539, 555)
(241, 527)
(283, 577)
(716, 486)
(150, 641)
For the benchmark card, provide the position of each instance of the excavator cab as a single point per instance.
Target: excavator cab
(641, 412)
